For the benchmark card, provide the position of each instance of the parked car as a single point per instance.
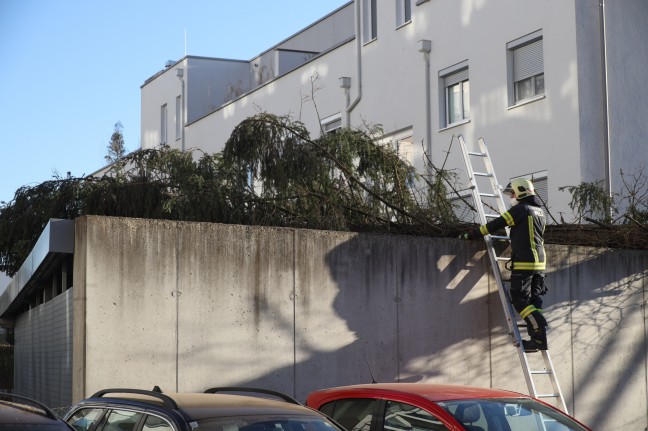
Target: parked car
(432, 407)
(213, 410)
(24, 414)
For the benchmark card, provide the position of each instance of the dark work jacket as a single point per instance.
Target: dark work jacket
(527, 223)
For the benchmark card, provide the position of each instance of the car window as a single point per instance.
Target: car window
(522, 414)
(84, 419)
(405, 417)
(354, 414)
(154, 423)
(266, 423)
(121, 420)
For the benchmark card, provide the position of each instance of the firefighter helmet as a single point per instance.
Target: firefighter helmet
(520, 188)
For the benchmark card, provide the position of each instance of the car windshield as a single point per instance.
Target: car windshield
(514, 414)
(266, 423)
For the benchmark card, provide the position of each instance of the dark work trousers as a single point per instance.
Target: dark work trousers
(527, 288)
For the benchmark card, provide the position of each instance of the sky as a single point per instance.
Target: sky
(71, 69)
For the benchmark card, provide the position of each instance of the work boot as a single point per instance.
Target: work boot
(533, 345)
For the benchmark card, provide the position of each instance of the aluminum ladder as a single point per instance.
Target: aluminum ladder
(492, 199)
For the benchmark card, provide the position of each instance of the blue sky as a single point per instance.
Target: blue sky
(71, 69)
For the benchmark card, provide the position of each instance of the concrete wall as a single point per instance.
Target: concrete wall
(188, 306)
(43, 352)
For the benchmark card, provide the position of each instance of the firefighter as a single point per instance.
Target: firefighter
(527, 223)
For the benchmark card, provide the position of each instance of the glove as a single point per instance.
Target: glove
(471, 234)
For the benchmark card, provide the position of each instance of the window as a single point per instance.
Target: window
(332, 124)
(369, 20)
(154, 423)
(405, 417)
(178, 122)
(456, 90)
(403, 12)
(405, 149)
(526, 68)
(85, 419)
(163, 124)
(121, 420)
(354, 414)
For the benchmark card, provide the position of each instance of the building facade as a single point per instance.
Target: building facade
(553, 87)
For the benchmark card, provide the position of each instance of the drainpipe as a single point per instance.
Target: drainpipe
(425, 46)
(180, 74)
(358, 37)
(345, 83)
(604, 75)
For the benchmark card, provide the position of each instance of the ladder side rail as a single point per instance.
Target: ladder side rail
(491, 170)
(473, 183)
(554, 379)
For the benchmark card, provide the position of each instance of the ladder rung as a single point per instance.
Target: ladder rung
(488, 195)
(472, 153)
(541, 372)
(491, 215)
(547, 396)
(482, 174)
(500, 237)
(503, 259)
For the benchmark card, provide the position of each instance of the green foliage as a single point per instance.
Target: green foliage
(634, 195)
(590, 199)
(271, 172)
(116, 147)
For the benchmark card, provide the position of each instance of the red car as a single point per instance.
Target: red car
(431, 407)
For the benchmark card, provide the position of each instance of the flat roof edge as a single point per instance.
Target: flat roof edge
(57, 237)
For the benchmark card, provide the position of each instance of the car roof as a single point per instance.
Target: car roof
(23, 413)
(196, 406)
(430, 391)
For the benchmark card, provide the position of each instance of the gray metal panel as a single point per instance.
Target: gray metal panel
(528, 61)
(456, 77)
(43, 352)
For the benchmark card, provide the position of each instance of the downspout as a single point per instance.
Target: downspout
(180, 75)
(604, 75)
(426, 47)
(358, 63)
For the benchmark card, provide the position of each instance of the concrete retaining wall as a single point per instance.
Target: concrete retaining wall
(188, 306)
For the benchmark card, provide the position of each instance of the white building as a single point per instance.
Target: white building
(553, 86)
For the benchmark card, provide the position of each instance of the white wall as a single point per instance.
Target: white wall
(560, 134)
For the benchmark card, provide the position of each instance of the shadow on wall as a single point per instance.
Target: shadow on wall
(404, 308)
(604, 293)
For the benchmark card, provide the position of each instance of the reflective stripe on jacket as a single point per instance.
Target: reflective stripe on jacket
(527, 223)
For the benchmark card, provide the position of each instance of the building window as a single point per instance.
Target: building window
(369, 20)
(405, 149)
(456, 91)
(403, 12)
(163, 124)
(178, 118)
(331, 125)
(526, 65)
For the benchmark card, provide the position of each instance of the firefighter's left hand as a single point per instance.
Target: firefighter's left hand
(471, 234)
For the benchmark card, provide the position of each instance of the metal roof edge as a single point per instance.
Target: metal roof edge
(57, 237)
